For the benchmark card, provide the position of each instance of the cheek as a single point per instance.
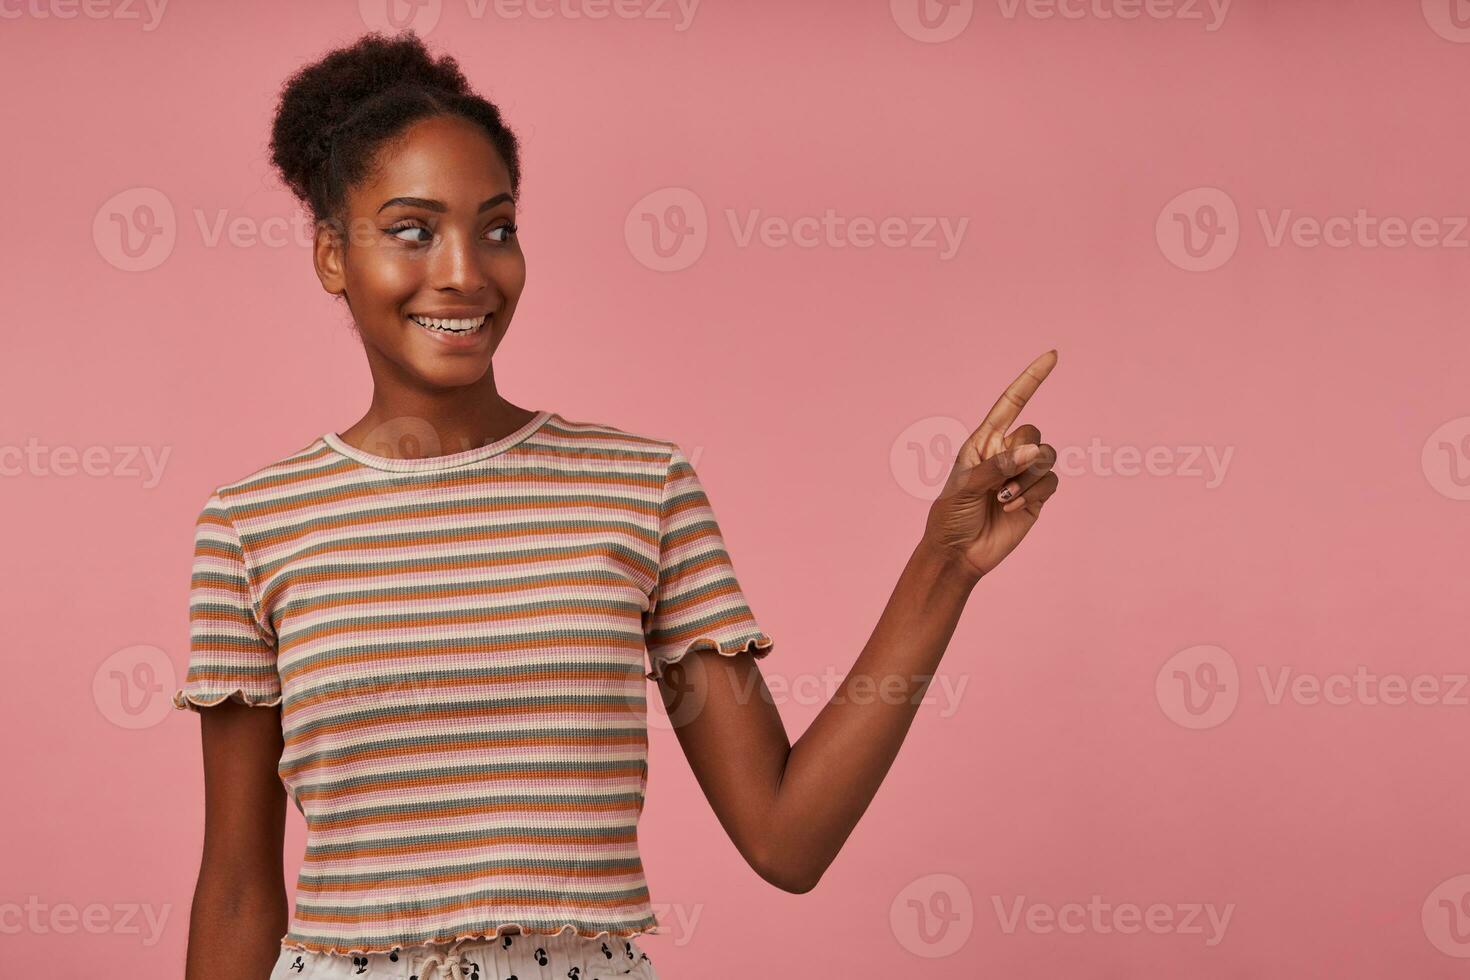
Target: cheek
(510, 273)
(386, 278)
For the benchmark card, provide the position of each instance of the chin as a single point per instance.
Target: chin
(451, 375)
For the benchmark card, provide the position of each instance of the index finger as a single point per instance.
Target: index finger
(1014, 398)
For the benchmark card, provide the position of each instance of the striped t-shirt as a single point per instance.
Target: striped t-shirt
(460, 646)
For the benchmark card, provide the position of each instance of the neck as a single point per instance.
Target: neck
(409, 423)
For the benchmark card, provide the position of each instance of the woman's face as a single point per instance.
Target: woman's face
(431, 240)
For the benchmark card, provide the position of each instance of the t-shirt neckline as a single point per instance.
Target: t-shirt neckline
(403, 465)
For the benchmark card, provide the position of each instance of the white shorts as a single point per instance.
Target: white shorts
(529, 956)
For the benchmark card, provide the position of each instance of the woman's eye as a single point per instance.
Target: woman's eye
(397, 232)
(405, 233)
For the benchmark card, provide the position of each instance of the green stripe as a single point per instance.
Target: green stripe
(569, 866)
(424, 618)
(479, 894)
(494, 550)
(451, 772)
(541, 831)
(428, 808)
(450, 645)
(595, 576)
(409, 712)
(446, 740)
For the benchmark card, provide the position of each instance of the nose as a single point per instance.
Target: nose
(457, 264)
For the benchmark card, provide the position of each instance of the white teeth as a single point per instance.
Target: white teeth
(449, 326)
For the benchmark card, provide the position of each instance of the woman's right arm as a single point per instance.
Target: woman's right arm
(240, 908)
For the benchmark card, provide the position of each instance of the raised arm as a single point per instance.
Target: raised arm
(789, 809)
(239, 912)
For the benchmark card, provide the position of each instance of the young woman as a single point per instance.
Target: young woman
(430, 629)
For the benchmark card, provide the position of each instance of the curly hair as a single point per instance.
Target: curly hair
(336, 113)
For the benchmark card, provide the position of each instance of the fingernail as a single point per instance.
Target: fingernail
(1007, 493)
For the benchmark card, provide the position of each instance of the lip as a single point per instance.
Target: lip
(452, 313)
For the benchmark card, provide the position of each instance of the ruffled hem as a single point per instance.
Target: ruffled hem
(305, 947)
(185, 701)
(759, 645)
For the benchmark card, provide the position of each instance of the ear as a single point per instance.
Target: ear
(327, 255)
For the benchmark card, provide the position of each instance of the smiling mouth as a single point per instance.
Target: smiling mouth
(461, 326)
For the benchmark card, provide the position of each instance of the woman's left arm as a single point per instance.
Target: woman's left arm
(790, 808)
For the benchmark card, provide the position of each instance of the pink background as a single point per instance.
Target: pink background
(815, 388)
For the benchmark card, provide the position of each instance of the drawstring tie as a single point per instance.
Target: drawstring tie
(450, 966)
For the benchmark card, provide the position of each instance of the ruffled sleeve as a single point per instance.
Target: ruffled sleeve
(697, 603)
(232, 650)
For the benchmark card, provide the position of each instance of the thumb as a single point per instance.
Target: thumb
(991, 473)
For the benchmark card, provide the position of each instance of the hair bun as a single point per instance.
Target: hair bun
(376, 86)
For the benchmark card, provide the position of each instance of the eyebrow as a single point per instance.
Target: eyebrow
(431, 205)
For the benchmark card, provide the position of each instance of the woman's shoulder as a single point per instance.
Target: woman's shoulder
(277, 472)
(591, 434)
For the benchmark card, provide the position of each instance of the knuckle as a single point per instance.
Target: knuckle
(1043, 463)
